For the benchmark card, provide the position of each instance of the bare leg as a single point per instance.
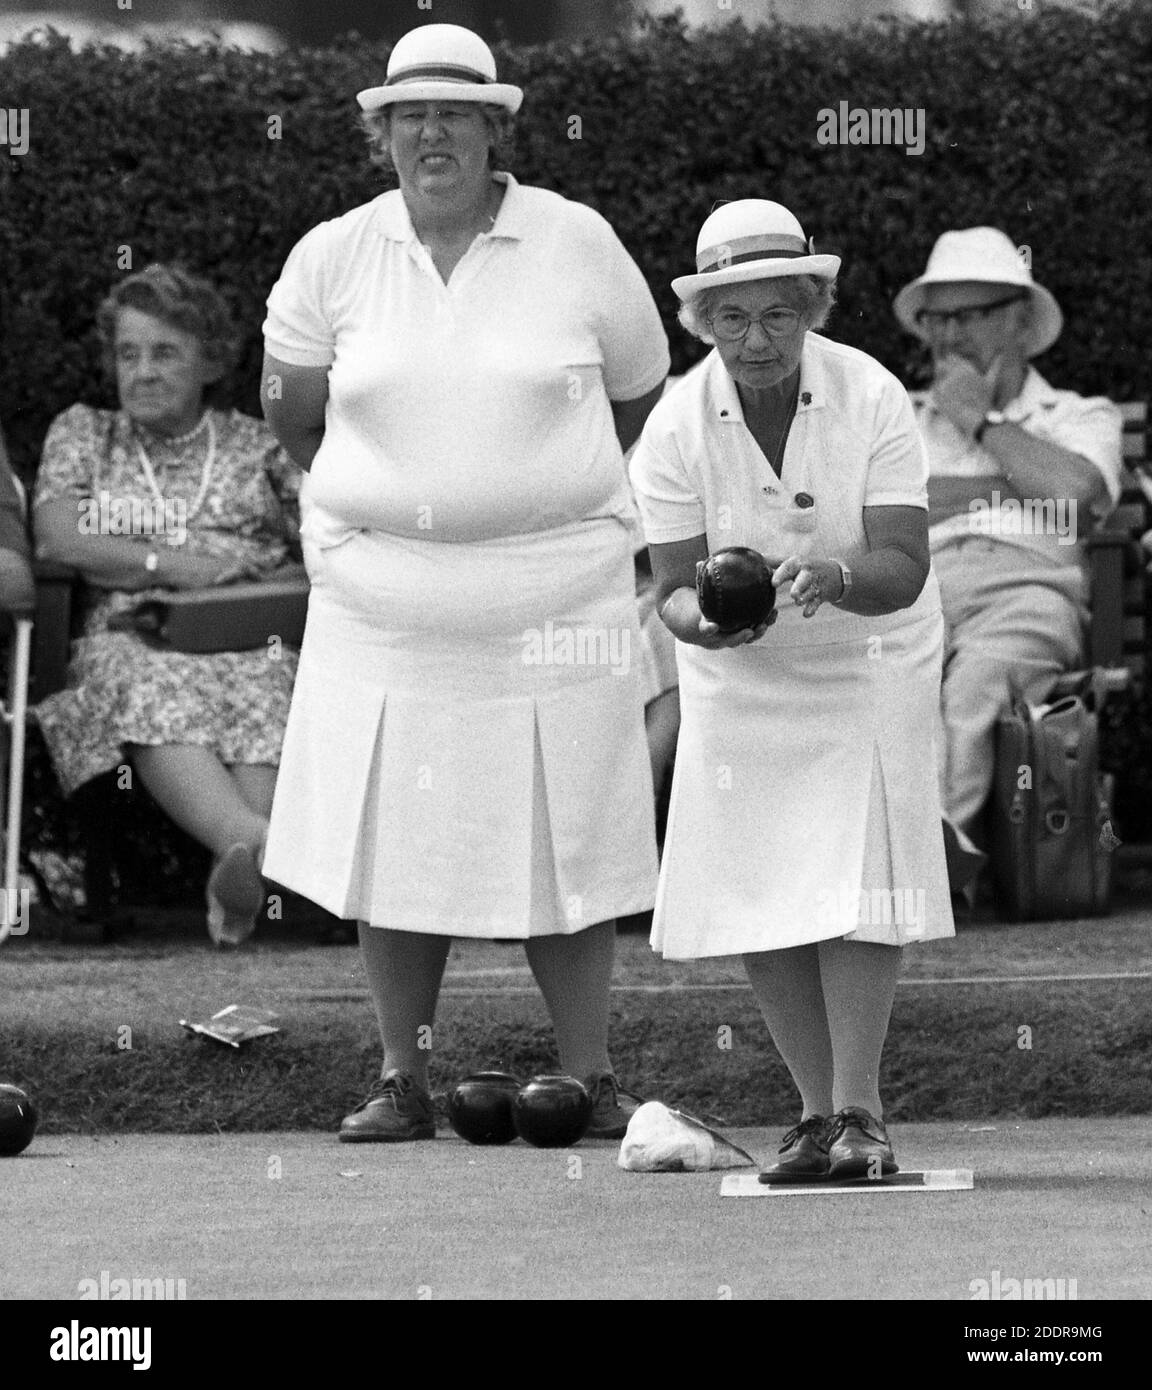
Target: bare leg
(199, 793)
(257, 785)
(859, 981)
(574, 973)
(662, 723)
(788, 990)
(404, 971)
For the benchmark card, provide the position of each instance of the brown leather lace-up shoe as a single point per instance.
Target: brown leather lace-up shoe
(610, 1113)
(804, 1154)
(396, 1110)
(858, 1146)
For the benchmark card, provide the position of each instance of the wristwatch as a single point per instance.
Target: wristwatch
(994, 417)
(845, 579)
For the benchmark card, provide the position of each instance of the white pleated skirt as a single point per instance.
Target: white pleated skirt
(805, 802)
(465, 752)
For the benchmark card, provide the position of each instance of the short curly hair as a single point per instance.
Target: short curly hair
(377, 128)
(811, 296)
(178, 298)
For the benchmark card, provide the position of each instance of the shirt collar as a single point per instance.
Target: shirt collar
(725, 398)
(1035, 394)
(511, 221)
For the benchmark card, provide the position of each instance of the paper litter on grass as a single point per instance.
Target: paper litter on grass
(662, 1140)
(236, 1024)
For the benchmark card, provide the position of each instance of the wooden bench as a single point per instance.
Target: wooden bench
(52, 634)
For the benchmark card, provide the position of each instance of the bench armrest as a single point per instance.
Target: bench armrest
(52, 631)
(1109, 555)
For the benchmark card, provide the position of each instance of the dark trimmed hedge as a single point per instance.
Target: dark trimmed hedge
(1036, 122)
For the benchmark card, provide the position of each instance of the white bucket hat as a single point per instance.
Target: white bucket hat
(984, 256)
(752, 239)
(441, 62)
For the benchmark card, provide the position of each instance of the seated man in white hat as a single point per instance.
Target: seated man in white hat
(1019, 474)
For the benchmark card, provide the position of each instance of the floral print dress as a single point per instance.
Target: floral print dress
(121, 691)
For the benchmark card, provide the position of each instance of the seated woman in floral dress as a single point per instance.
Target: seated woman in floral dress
(170, 493)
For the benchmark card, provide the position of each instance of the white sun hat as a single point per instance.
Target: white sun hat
(752, 239)
(982, 256)
(441, 62)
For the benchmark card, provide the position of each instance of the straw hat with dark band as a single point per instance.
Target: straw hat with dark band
(752, 239)
(441, 62)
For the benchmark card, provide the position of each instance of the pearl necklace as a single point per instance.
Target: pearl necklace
(205, 476)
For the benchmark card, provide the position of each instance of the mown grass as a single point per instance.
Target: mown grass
(955, 1051)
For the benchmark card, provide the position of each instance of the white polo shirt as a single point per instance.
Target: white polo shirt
(969, 495)
(477, 409)
(853, 444)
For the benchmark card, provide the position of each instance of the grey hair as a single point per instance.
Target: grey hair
(181, 300)
(377, 128)
(811, 296)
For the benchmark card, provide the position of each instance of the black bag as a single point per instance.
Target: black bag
(1052, 838)
(228, 618)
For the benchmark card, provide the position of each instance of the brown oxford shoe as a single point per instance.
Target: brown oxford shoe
(806, 1150)
(396, 1110)
(858, 1146)
(612, 1106)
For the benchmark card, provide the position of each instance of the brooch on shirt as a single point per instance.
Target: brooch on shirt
(802, 500)
(805, 397)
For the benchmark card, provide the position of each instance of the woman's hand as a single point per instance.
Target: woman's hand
(681, 615)
(712, 638)
(813, 582)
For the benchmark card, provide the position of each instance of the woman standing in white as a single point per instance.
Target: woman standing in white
(459, 364)
(804, 830)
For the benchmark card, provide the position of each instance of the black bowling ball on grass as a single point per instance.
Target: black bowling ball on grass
(552, 1112)
(18, 1118)
(480, 1107)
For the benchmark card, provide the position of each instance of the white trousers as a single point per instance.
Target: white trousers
(1011, 620)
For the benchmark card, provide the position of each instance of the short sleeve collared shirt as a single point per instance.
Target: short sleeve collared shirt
(698, 470)
(479, 408)
(853, 444)
(967, 489)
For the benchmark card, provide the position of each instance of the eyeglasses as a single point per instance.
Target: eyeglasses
(964, 318)
(413, 120)
(730, 325)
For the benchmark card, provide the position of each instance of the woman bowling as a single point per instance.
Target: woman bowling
(804, 829)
